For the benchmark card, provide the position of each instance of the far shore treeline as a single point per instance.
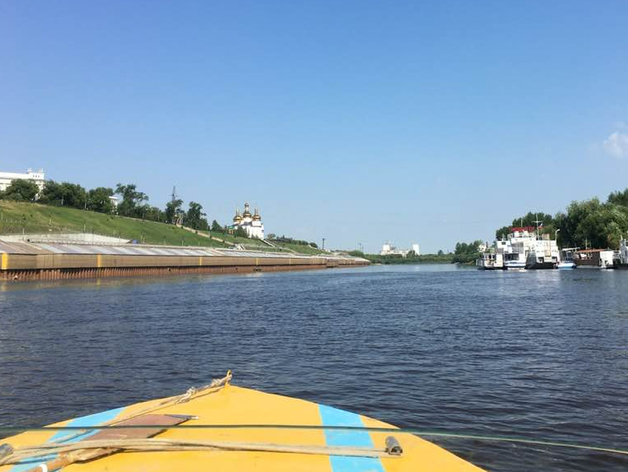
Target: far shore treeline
(464, 253)
(587, 223)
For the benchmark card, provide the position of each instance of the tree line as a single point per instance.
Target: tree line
(466, 253)
(587, 223)
(133, 203)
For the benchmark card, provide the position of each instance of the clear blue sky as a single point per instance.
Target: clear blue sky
(360, 122)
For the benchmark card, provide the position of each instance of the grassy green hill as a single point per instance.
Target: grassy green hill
(17, 217)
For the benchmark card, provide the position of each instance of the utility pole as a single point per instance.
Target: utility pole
(176, 217)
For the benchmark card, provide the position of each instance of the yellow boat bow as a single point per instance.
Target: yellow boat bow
(221, 427)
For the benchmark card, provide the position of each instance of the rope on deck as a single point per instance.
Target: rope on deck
(79, 451)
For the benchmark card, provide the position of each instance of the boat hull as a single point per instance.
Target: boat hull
(566, 265)
(234, 406)
(541, 265)
(514, 265)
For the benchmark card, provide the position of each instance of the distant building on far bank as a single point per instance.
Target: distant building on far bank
(252, 224)
(390, 250)
(7, 177)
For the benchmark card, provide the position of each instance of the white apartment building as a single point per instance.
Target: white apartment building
(7, 177)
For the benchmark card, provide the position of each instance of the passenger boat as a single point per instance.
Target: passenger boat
(490, 261)
(567, 259)
(514, 260)
(221, 427)
(543, 255)
(509, 253)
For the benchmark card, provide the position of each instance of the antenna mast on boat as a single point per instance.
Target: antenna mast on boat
(537, 221)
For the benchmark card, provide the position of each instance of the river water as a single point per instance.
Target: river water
(536, 354)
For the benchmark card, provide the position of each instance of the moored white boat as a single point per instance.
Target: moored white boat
(621, 262)
(490, 260)
(567, 259)
(517, 247)
(566, 265)
(543, 255)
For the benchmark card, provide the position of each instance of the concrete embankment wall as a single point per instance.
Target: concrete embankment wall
(29, 261)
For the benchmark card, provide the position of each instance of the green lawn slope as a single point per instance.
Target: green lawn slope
(30, 218)
(17, 217)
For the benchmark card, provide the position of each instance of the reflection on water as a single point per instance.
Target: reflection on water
(536, 354)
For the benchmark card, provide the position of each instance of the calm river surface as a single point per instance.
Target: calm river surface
(537, 354)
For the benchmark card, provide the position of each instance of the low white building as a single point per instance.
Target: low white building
(389, 250)
(7, 177)
(251, 223)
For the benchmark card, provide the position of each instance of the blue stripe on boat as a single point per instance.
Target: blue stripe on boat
(70, 436)
(335, 417)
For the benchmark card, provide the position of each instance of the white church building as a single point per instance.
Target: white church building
(251, 223)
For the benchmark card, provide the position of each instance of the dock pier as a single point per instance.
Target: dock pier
(47, 261)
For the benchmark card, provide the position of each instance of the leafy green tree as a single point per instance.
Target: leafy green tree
(592, 223)
(619, 198)
(503, 232)
(173, 211)
(467, 252)
(603, 228)
(531, 218)
(131, 199)
(217, 228)
(75, 196)
(21, 190)
(64, 194)
(195, 218)
(98, 199)
(547, 225)
(152, 213)
(52, 194)
(241, 233)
